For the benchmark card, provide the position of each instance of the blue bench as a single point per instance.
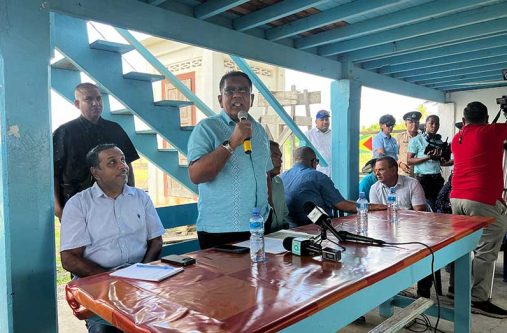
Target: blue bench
(179, 216)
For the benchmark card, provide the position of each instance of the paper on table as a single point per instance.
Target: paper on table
(273, 243)
(147, 272)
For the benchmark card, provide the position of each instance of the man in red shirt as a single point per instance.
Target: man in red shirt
(477, 186)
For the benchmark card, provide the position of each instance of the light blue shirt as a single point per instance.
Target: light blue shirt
(113, 231)
(226, 202)
(389, 145)
(417, 146)
(366, 183)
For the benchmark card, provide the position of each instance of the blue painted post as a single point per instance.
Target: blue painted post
(345, 107)
(27, 251)
(462, 294)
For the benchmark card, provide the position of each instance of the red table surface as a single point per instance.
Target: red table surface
(225, 292)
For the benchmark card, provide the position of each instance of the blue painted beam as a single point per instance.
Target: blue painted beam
(421, 79)
(469, 46)
(450, 59)
(336, 14)
(346, 107)
(266, 93)
(469, 76)
(494, 84)
(451, 67)
(165, 72)
(273, 12)
(417, 29)
(386, 83)
(215, 7)
(453, 36)
(27, 234)
(138, 16)
(385, 22)
(485, 77)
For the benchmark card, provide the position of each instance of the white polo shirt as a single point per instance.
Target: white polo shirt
(322, 141)
(410, 193)
(113, 231)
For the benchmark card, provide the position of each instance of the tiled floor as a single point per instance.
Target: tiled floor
(480, 324)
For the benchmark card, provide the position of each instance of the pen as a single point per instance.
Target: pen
(152, 266)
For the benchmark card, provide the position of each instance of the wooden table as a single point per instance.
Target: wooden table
(227, 293)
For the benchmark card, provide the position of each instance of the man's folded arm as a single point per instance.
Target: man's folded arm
(74, 262)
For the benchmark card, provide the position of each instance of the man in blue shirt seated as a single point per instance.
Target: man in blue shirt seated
(109, 224)
(304, 183)
(367, 182)
(231, 183)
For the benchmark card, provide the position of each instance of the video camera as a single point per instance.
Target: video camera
(436, 143)
(502, 101)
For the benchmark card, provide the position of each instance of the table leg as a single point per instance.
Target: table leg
(386, 308)
(462, 294)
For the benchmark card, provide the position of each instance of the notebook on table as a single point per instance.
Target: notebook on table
(147, 272)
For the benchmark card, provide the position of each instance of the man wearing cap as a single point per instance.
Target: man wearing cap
(320, 137)
(383, 143)
(412, 123)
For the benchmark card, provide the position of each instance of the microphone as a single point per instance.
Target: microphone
(319, 217)
(349, 237)
(301, 246)
(305, 247)
(247, 143)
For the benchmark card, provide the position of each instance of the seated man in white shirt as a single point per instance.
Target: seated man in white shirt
(109, 224)
(410, 196)
(409, 191)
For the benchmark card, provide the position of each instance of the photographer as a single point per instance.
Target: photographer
(427, 153)
(477, 187)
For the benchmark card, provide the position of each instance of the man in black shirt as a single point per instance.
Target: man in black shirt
(73, 140)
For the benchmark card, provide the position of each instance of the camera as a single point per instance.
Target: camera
(436, 142)
(502, 101)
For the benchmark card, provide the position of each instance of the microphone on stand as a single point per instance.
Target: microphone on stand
(301, 246)
(319, 217)
(305, 247)
(247, 143)
(350, 237)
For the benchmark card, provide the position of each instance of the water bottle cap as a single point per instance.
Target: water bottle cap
(256, 211)
(362, 195)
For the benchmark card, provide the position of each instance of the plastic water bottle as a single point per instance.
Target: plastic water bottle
(392, 205)
(257, 236)
(362, 214)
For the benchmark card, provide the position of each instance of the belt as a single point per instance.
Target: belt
(433, 175)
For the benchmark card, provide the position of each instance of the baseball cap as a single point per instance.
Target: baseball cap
(387, 119)
(322, 114)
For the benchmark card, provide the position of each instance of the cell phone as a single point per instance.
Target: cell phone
(232, 248)
(179, 260)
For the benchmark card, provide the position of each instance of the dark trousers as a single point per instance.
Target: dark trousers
(208, 239)
(431, 184)
(95, 327)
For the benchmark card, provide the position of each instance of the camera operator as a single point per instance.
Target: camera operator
(427, 153)
(477, 187)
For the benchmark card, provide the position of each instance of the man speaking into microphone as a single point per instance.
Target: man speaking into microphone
(229, 158)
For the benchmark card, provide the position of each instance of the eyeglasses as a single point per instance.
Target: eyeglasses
(240, 91)
(390, 125)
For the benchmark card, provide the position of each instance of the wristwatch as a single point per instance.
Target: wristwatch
(227, 145)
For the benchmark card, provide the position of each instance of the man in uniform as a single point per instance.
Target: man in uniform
(412, 123)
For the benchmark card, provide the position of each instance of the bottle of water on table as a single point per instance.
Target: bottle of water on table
(362, 214)
(257, 236)
(392, 205)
